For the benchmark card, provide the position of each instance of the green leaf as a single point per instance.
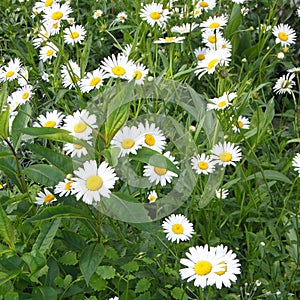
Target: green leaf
(5, 154)
(73, 240)
(44, 174)
(3, 95)
(55, 134)
(142, 285)
(4, 121)
(11, 296)
(131, 266)
(35, 260)
(89, 260)
(62, 162)
(270, 175)
(155, 159)
(6, 229)
(234, 21)
(179, 294)
(20, 122)
(44, 293)
(46, 236)
(97, 283)
(106, 272)
(69, 258)
(63, 211)
(8, 166)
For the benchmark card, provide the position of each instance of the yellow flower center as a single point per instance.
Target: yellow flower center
(95, 81)
(224, 268)
(177, 229)
(55, 25)
(170, 39)
(212, 39)
(241, 124)
(49, 52)
(203, 165)
(202, 267)
(149, 139)
(25, 95)
(118, 71)
(197, 12)
(203, 4)
(128, 143)
(225, 157)
(48, 3)
(152, 198)
(214, 25)
(137, 74)
(201, 56)
(49, 198)
(212, 63)
(74, 35)
(155, 15)
(94, 183)
(50, 124)
(77, 147)
(57, 15)
(80, 127)
(160, 171)
(283, 36)
(68, 185)
(10, 74)
(222, 103)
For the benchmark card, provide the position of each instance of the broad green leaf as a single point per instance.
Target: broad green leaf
(5, 154)
(179, 294)
(106, 272)
(293, 141)
(73, 240)
(97, 283)
(3, 95)
(46, 236)
(4, 121)
(63, 211)
(69, 258)
(44, 293)
(270, 175)
(11, 296)
(44, 174)
(6, 229)
(62, 162)
(142, 285)
(8, 166)
(8, 277)
(90, 258)
(35, 260)
(131, 266)
(234, 21)
(155, 159)
(20, 122)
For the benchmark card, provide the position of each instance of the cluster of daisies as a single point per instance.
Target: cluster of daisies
(204, 265)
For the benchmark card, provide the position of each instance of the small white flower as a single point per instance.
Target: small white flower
(152, 197)
(221, 102)
(203, 164)
(74, 34)
(45, 197)
(285, 35)
(222, 193)
(284, 84)
(63, 188)
(296, 163)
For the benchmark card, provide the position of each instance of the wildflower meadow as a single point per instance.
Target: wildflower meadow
(149, 149)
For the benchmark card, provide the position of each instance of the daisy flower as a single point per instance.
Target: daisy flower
(97, 13)
(70, 74)
(226, 153)
(152, 137)
(211, 38)
(294, 70)
(205, 5)
(20, 96)
(52, 27)
(203, 164)
(201, 265)
(242, 123)
(93, 182)
(23, 76)
(75, 150)
(74, 34)
(169, 40)
(222, 193)
(238, 1)
(139, 73)
(80, 124)
(178, 228)
(118, 66)
(127, 49)
(285, 35)
(52, 119)
(42, 37)
(160, 174)
(48, 51)
(56, 12)
(284, 84)
(200, 53)
(184, 28)
(63, 188)
(45, 197)
(296, 163)
(152, 197)
(223, 45)
(121, 17)
(221, 102)
(92, 80)
(214, 23)
(230, 267)
(10, 72)
(40, 6)
(211, 61)
(128, 140)
(154, 14)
